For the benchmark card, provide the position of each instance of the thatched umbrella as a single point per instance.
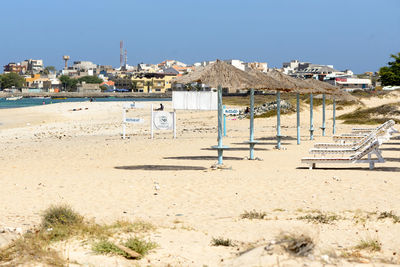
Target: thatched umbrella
(311, 87)
(222, 75)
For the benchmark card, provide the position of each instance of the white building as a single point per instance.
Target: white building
(351, 84)
(84, 65)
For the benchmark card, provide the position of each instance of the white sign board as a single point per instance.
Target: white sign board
(134, 120)
(163, 120)
(195, 100)
(133, 105)
(231, 111)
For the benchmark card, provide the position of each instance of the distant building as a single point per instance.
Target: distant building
(88, 88)
(351, 84)
(84, 65)
(152, 82)
(245, 66)
(38, 82)
(33, 65)
(14, 67)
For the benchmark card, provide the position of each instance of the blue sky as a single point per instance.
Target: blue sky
(349, 34)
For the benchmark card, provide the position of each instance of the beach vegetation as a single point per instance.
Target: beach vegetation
(61, 223)
(220, 241)
(320, 218)
(297, 244)
(390, 215)
(375, 115)
(136, 244)
(369, 244)
(261, 215)
(390, 75)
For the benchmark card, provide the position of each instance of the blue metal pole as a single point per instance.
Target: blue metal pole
(323, 115)
(334, 116)
(298, 117)
(278, 117)
(220, 125)
(251, 123)
(311, 118)
(224, 121)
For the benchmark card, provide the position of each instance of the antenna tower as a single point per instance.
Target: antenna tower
(121, 53)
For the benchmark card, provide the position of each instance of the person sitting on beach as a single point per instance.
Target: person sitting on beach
(247, 110)
(161, 107)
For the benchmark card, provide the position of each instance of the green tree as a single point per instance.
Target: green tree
(49, 69)
(68, 83)
(390, 75)
(90, 79)
(11, 79)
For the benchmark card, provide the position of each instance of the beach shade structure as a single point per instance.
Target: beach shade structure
(336, 93)
(220, 75)
(289, 84)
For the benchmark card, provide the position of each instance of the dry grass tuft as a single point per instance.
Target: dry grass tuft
(390, 215)
(136, 244)
(254, 215)
(61, 223)
(299, 245)
(320, 218)
(369, 244)
(226, 242)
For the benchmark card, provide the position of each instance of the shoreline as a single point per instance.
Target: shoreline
(88, 95)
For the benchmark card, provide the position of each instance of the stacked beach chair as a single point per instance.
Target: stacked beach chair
(359, 146)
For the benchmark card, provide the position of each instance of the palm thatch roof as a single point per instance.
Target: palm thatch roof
(221, 74)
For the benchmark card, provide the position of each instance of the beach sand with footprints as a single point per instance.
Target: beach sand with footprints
(53, 154)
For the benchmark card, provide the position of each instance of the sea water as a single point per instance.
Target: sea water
(29, 102)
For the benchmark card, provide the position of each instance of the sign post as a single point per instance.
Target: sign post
(163, 120)
(126, 120)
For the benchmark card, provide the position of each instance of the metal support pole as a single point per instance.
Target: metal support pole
(298, 117)
(123, 123)
(334, 116)
(311, 118)
(223, 107)
(251, 123)
(323, 115)
(220, 125)
(278, 118)
(174, 124)
(152, 122)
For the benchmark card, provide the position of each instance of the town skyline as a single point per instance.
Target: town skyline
(359, 35)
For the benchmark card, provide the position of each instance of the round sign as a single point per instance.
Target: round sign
(163, 120)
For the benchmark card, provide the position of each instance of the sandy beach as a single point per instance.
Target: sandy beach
(53, 155)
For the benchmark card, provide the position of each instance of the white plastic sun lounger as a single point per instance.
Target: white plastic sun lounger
(368, 130)
(345, 150)
(367, 151)
(355, 136)
(383, 134)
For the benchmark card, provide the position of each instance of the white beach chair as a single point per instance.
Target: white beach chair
(383, 133)
(367, 151)
(341, 149)
(358, 133)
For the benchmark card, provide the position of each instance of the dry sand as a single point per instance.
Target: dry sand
(51, 154)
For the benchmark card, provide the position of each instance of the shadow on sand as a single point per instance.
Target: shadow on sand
(263, 143)
(203, 158)
(379, 169)
(235, 149)
(390, 149)
(161, 168)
